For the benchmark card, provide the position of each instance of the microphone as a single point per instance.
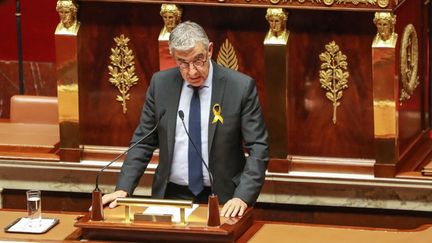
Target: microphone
(97, 207)
(213, 201)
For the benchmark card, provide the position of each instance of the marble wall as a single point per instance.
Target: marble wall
(320, 190)
(39, 79)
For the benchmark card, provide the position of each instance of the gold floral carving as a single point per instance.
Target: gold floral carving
(122, 69)
(409, 62)
(333, 74)
(227, 56)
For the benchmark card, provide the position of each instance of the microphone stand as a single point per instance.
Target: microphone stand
(213, 211)
(19, 43)
(213, 218)
(97, 206)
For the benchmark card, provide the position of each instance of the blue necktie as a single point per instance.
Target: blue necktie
(195, 163)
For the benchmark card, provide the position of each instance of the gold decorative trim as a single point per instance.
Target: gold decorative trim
(333, 78)
(409, 62)
(122, 71)
(227, 56)
(383, 4)
(355, 2)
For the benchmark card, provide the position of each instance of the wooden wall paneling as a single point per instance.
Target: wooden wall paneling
(413, 142)
(101, 116)
(311, 130)
(51, 201)
(412, 112)
(245, 28)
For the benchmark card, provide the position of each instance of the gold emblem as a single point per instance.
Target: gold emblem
(274, 1)
(217, 114)
(227, 56)
(122, 71)
(409, 62)
(383, 3)
(328, 2)
(333, 78)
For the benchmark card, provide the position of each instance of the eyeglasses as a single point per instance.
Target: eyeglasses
(198, 63)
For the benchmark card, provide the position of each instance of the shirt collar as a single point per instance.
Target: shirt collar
(208, 81)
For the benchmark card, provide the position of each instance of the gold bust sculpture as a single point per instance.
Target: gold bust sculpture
(67, 11)
(277, 34)
(385, 37)
(171, 15)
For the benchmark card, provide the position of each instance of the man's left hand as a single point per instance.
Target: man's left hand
(234, 207)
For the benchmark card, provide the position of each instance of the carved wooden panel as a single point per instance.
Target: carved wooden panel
(311, 130)
(102, 121)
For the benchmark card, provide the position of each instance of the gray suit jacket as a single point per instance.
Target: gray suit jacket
(243, 130)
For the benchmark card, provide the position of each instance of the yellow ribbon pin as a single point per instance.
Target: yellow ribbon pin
(217, 114)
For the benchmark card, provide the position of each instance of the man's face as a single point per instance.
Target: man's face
(384, 29)
(170, 20)
(194, 63)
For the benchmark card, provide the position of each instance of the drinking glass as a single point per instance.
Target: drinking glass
(34, 210)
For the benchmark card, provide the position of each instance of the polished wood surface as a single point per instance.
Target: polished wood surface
(413, 112)
(311, 131)
(29, 141)
(63, 231)
(263, 232)
(102, 121)
(196, 230)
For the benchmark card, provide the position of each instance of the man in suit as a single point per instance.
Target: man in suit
(223, 105)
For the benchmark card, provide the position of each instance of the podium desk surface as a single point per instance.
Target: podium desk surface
(64, 230)
(263, 232)
(114, 227)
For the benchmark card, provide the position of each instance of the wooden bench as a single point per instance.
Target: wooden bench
(32, 132)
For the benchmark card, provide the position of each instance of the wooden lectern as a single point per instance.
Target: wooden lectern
(114, 227)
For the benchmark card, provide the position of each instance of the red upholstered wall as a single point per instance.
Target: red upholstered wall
(38, 21)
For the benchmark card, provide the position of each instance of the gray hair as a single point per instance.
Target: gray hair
(186, 35)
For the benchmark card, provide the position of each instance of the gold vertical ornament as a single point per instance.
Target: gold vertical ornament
(122, 69)
(409, 62)
(333, 76)
(227, 56)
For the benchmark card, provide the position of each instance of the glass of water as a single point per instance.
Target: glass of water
(34, 210)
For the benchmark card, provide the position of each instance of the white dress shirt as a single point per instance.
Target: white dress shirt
(179, 168)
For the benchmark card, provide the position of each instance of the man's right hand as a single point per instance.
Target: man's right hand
(111, 198)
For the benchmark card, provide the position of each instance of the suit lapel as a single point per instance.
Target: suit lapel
(173, 103)
(218, 86)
